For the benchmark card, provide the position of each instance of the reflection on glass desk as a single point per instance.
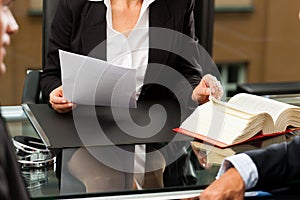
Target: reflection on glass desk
(181, 170)
(39, 182)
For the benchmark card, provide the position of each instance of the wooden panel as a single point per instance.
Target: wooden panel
(239, 37)
(282, 53)
(24, 52)
(36, 5)
(268, 38)
(233, 3)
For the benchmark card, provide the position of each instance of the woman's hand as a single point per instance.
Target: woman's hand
(58, 102)
(209, 85)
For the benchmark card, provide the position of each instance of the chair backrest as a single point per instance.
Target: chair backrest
(31, 89)
(204, 18)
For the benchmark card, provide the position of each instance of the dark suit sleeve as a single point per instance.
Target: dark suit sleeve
(11, 183)
(60, 38)
(180, 48)
(278, 164)
(188, 63)
(63, 35)
(192, 69)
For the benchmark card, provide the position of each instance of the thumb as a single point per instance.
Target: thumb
(201, 94)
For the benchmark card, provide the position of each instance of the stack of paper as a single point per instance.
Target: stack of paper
(91, 81)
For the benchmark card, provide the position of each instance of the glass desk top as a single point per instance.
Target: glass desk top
(131, 171)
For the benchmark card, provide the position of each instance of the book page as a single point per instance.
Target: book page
(209, 154)
(211, 121)
(257, 104)
(257, 121)
(230, 109)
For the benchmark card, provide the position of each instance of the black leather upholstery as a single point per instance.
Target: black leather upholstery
(31, 90)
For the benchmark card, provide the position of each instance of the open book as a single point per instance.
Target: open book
(244, 117)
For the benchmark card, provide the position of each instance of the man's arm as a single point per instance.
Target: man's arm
(277, 164)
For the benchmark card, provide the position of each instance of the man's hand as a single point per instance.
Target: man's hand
(229, 186)
(209, 85)
(58, 102)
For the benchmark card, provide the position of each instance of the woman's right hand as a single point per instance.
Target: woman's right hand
(58, 102)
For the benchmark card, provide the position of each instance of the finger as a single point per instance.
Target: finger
(201, 94)
(63, 110)
(216, 89)
(205, 91)
(74, 105)
(62, 106)
(210, 82)
(59, 100)
(219, 89)
(210, 79)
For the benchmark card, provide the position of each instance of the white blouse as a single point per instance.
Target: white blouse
(131, 51)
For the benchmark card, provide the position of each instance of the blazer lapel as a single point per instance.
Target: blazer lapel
(159, 17)
(94, 30)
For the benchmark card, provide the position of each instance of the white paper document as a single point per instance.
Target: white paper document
(91, 81)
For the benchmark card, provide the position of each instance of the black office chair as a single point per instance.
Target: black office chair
(204, 18)
(32, 90)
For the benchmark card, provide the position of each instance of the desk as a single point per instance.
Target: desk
(185, 176)
(93, 126)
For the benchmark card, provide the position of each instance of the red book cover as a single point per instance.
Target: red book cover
(223, 145)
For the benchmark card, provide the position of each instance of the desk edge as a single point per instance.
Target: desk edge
(36, 125)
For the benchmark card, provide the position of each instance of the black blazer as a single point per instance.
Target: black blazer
(80, 26)
(277, 164)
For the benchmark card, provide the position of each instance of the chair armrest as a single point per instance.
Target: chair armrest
(31, 90)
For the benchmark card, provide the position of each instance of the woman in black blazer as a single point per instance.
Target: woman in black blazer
(80, 26)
